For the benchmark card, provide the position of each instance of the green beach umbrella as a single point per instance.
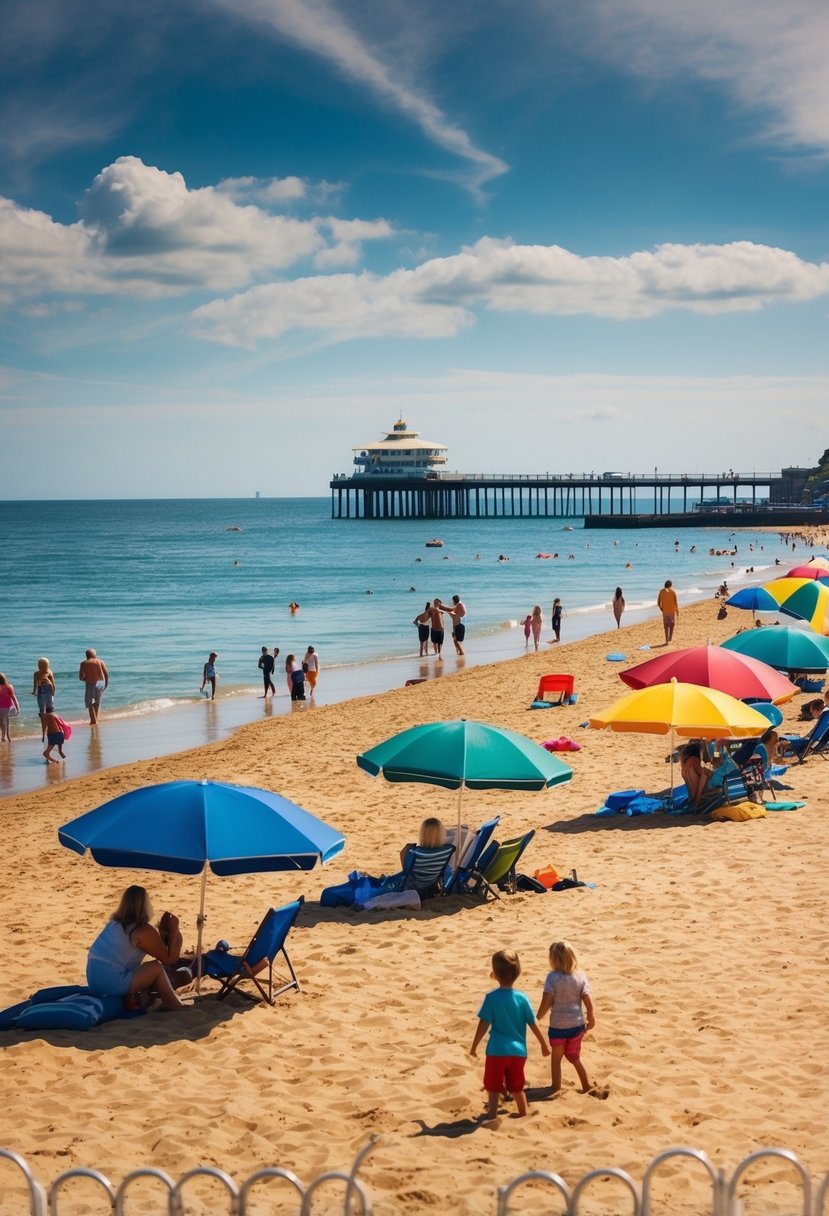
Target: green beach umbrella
(783, 648)
(465, 754)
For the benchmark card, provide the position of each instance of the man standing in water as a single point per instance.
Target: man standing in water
(266, 665)
(93, 672)
(436, 634)
(668, 605)
(456, 614)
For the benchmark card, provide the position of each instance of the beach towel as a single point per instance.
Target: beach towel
(740, 812)
(391, 899)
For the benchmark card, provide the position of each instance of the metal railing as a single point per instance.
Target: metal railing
(237, 1198)
(596, 479)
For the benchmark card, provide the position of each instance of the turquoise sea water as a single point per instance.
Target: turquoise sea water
(154, 586)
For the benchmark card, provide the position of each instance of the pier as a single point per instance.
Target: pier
(599, 497)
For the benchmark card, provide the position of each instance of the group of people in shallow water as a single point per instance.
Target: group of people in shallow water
(298, 673)
(54, 730)
(430, 628)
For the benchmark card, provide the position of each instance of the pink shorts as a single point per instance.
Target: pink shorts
(504, 1073)
(572, 1044)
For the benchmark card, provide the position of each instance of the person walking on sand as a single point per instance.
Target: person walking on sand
(566, 990)
(209, 674)
(8, 702)
(668, 605)
(45, 689)
(528, 628)
(555, 619)
(536, 622)
(93, 672)
(506, 1014)
(311, 667)
(423, 621)
(618, 607)
(436, 634)
(265, 665)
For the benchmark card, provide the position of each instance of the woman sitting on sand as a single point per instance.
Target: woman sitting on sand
(695, 769)
(115, 965)
(431, 836)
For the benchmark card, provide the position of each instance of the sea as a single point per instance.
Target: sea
(155, 585)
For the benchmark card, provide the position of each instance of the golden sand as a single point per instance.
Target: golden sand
(706, 945)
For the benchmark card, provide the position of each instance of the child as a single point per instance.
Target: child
(528, 628)
(55, 736)
(8, 702)
(506, 1014)
(565, 991)
(45, 689)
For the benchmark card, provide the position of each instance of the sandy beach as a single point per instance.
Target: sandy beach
(706, 945)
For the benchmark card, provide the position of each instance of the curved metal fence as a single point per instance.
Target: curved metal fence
(237, 1198)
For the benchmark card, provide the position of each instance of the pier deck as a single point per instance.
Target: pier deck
(616, 495)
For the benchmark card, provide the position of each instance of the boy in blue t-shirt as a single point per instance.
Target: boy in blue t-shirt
(506, 1014)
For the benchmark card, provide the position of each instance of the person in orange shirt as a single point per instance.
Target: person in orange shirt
(667, 604)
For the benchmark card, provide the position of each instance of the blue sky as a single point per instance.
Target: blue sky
(240, 237)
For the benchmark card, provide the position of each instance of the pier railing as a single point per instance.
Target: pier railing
(720, 1192)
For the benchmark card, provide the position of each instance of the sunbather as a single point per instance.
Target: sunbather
(115, 965)
(431, 836)
(695, 769)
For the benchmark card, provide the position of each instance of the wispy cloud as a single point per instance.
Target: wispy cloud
(769, 56)
(321, 28)
(439, 298)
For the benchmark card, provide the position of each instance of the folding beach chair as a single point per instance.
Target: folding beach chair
(460, 879)
(562, 684)
(813, 744)
(267, 942)
(425, 870)
(496, 867)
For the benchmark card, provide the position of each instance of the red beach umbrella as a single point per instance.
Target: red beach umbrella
(808, 572)
(714, 667)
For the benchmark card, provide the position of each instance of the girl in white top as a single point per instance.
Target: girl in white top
(566, 990)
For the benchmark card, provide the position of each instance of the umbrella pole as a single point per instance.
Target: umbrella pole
(672, 766)
(458, 837)
(200, 920)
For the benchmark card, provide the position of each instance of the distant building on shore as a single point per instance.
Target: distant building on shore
(402, 453)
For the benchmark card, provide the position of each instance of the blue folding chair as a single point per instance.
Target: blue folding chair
(459, 880)
(813, 744)
(424, 870)
(266, 944)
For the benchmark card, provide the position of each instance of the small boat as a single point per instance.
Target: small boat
(434, 544)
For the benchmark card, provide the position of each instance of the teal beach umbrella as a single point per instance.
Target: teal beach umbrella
(783, 648)
(465, 754)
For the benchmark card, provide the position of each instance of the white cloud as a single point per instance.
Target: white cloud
(264, 189)
(770, 56)
(144, 232)
(437, 298)
(319, 27)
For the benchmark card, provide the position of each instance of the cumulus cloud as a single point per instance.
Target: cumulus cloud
(144, 232)
(319, 27)
(439, 297)
(770, 56)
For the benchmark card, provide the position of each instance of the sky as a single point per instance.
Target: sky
(239, 238)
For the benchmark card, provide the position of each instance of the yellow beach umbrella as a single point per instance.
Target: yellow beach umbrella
(689, 710)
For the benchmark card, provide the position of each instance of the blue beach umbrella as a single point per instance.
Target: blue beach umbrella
(465, 754)
(754, 599)
(184, 827)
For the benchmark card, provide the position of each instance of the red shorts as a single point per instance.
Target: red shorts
(504, 1073)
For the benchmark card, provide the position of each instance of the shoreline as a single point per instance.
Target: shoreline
(125, 738)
